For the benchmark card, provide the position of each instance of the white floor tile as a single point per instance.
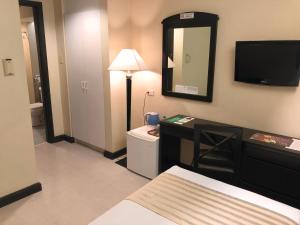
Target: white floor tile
(79, 185)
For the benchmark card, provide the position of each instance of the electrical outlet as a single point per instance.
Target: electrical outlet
(163, 117)
(150, 92)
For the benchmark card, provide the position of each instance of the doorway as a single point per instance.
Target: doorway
(33, 36)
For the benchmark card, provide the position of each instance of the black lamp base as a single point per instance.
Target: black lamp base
(128, 94)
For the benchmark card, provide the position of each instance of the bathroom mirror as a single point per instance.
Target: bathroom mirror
(189, 46)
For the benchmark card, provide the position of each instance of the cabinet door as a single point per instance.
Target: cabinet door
(84, 62)
(271, 176)
(76, 74)
(94, 73)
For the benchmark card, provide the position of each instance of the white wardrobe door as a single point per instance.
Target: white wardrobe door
(78, 105)
(84, 63)
(94, 72)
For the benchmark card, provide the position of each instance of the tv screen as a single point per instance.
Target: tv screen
(268, 62)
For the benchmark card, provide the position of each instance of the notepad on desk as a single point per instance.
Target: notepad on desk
(295, 145)
(180, 119)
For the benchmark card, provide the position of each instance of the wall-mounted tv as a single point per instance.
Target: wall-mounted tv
(268, 62)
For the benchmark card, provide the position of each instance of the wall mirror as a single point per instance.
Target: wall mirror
(189, 46)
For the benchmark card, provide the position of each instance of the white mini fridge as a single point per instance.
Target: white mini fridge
(142, 152)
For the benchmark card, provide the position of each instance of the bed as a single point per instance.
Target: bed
(133, 212)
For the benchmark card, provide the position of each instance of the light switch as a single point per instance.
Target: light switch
(8, 67)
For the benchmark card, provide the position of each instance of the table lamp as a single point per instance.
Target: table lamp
(128, 61)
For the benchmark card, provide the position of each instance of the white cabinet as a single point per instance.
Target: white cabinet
(142, 152)
(84, 64)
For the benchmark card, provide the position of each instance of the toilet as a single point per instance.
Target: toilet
(37, 115)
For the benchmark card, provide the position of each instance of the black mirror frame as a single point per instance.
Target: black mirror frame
(200, 19)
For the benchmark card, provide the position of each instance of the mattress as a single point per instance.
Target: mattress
(130, 213)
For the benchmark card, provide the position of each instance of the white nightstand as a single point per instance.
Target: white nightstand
(142, 152)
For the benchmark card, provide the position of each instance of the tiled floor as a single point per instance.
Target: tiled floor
(78, 185)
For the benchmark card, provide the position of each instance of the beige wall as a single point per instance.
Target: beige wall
(274, 109)
(196, 45)
(56, 64)
(119, 38)
(31, 55)
(28, 62)
(57, 76)
(106, 74)
(178, 57)
(53, 66)
(62, 65)
(17, 158)
(33, 49)
(26, 14)
(193, 43)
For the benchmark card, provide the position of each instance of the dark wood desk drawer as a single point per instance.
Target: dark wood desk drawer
(274, 177)
(275, 156)
(177, 131)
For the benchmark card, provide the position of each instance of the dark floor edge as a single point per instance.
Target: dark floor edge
(63, 138)
(116, 154)
(122, 162)
(13, 197)
(69, 139)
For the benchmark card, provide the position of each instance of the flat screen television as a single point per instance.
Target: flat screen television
(268, 62)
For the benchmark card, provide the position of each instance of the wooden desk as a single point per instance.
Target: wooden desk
(267, 169)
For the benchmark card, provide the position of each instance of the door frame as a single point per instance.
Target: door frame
(37, 8)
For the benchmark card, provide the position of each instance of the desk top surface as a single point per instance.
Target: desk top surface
(247, 133)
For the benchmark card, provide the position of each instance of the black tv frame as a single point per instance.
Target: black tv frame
(292, 83)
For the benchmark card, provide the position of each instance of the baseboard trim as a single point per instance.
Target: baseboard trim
(114, 155)
(90, 146)
(69, 139)
(63, 138)
(13, 197)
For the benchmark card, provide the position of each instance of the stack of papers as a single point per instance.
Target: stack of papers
(180, 119)
(295, 145)
(184, 120)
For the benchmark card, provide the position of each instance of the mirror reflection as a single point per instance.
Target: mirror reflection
(189, 49)
(190, 59)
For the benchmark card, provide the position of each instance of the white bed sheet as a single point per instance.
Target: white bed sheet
(130, 213)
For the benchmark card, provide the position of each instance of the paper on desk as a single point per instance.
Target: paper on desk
(295, 145)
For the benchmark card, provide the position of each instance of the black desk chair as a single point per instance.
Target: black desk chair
(217, 152)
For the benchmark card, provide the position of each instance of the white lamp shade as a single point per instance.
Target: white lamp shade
(128, 60)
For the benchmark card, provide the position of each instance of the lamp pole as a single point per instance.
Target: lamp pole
(128, 95)
(128, 60)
